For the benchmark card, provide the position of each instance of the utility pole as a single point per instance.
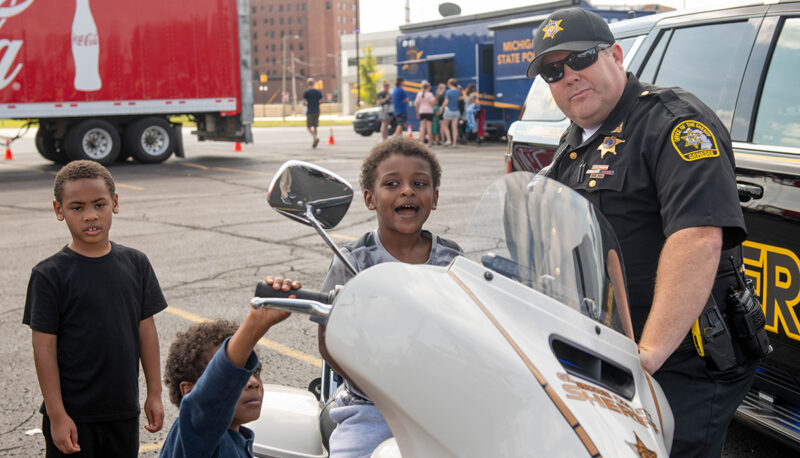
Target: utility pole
(294, 88)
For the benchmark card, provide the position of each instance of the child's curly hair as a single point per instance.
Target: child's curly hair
(190, 353)
(397, 145)
(78, 170)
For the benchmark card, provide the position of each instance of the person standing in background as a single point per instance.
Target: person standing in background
(424, 105)
(311, 99)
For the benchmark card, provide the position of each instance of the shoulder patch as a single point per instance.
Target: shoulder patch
(693, 141)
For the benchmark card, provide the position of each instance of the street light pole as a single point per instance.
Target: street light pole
(283, 72)
(294, 88)
(358, 66)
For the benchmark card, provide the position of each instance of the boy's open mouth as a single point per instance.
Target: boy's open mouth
(407, 209)
(91, 230)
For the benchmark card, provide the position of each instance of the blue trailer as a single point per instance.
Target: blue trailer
(491, 50)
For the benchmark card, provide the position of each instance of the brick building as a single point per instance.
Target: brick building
(311, 30)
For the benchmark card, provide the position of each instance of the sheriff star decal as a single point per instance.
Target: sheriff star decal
(693, 141)
(552, 28)
(640, 449)
(608, 146)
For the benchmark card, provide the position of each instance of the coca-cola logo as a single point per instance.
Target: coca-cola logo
(88, 39)
(9, 49)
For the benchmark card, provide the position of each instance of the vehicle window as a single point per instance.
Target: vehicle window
(708, 61)
(540, 106)
(778, 116)
(648, 73)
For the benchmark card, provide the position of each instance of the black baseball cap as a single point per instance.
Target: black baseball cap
(568, 29)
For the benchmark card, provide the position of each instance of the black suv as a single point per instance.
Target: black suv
(367, 121)
(743, 62)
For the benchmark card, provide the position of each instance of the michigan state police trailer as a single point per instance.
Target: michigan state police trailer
(491, 50)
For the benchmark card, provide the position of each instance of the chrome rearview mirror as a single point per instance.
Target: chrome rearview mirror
(313, 196)
(299, 185)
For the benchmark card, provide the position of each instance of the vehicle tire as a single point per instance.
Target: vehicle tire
(93, 139)
(49, 148)
(150, 140)
(366, 133)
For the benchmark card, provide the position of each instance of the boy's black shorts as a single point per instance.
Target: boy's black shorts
(119, 438)
(312, 120)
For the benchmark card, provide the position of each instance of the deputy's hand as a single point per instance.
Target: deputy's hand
(64, 434)
(650, 359)
(282, 284)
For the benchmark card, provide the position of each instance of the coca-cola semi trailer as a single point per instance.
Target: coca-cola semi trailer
(104, 78)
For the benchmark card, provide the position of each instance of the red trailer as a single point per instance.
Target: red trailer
(103, 77)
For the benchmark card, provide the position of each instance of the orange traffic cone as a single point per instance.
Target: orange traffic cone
(8, 150)
(237, 146)
(410, 135)
(330, 138)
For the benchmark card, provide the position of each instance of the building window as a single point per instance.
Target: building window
(255, 35)
(302, 72)
(266, 21)
(272, 34)
(300, 46)
(255, 49)
(327, 5)
(255, 61)
(270, 9)
(254, 10)
(271, 21)
(299, 20)
(282, 33)
(281, 21)
(273, 48)
(289, 21)
(289, 7)
(291, 46)
(262, 7)
(280, 8)
(300, 33)
(254, 22)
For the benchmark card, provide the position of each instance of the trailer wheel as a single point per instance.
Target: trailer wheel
(150, 140)
(48, 147)
(95, 140)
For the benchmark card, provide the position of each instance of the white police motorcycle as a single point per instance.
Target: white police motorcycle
(521, 347)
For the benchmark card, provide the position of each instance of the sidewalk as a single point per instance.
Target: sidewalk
(302, 117)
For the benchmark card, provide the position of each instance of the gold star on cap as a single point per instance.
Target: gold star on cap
(608, 145)
(552, 28)
(640, 449)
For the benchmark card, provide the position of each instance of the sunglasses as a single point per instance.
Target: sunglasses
(577, 61)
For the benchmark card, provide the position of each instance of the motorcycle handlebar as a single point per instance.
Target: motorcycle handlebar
(265, 290)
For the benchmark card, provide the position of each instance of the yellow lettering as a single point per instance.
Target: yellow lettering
(776, 274)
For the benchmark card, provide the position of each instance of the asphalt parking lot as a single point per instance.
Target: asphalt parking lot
(204, 223)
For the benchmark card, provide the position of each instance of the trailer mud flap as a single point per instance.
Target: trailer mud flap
(178, 128)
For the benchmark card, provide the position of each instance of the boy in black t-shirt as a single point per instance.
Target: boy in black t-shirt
(90, 308)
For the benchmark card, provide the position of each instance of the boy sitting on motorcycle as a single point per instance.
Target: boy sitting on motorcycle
(214, 377)
(400, 180)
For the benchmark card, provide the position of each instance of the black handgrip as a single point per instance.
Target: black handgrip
(264, 289)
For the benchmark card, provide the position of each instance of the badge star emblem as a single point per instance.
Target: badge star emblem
(608, 146)
(640, 449)
(552, 28)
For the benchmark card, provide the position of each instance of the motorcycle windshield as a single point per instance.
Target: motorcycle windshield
(541, 233)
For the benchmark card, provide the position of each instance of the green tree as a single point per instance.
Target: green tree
(370, 76)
